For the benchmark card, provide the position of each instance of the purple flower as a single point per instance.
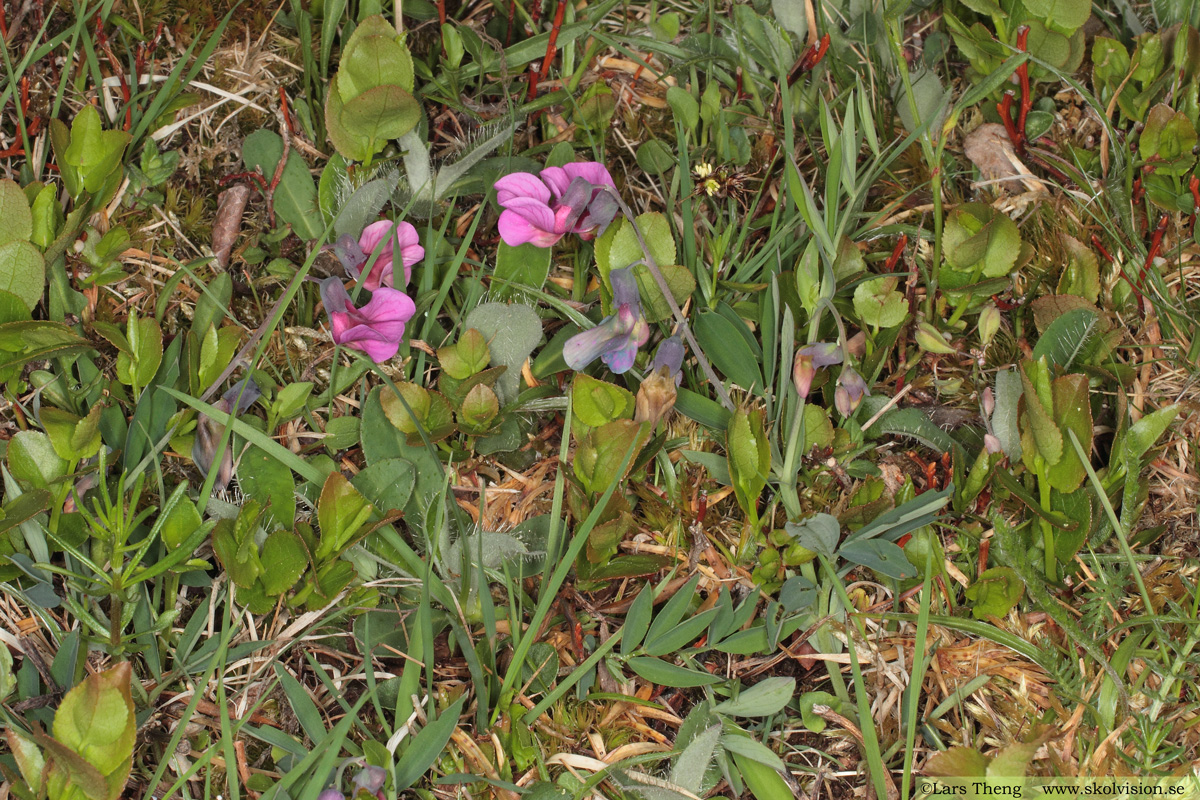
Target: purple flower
(617, 338)
(811, 358)
(851, 389)
(331, 794)
(235, 401)
(377, 328)
(381, 237)
(669, 355)
(541, 209)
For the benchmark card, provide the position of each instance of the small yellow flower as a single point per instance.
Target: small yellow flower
(711, 187)
(704, 169)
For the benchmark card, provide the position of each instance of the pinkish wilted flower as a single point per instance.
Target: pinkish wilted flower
(541, 209)
(381, 237)
(851, 389)
(377, 328)
(617, 338)
(370, 780)
(235, 401)
(811, 358)
(331, 794)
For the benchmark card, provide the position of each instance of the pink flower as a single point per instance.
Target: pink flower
(381, 237)
(851, 389)
(617, 338)
(811, 358)
(377, 328)
(541, 209)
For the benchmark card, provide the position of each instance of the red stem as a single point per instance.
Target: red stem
(1026, 94)
(1155, 248)
(897, 251)
(1005, 109)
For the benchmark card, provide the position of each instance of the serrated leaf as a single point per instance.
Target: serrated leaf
(22, 271)
(1068, 338)
(16, 219)
(287, 558)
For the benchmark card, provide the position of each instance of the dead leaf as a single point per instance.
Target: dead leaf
(989, 148)
(231, 204)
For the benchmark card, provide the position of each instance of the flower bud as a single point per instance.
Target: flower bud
(809, 359)
(851, 389)
(371, 779)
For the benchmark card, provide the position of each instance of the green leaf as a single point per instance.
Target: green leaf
(1081, 276)
(674, 638)
(1039, 435)
(980, 239)
(763, 699)
(618, 247)
(727, 349)
(880, 555)
(146, 349)
(262, 477)
(96, 721)
(958, 762)
(380, 114)
(637, 620)
(995, 593)
(295, 197)
(819, 533)
(812, 720)
(764, 782)
(878, 302)
(286, 558)
(1072, 411)
(94, 152)
(1068, 337)
(32, 459)
(743, 745)
(595, 402)
(1167, 141)
(524, 265)
(1144, 433)
(511, 333)
(690, 765)
(1066, 14)
(654, 304)
(375, 55)
(180, 522)
(387, 483)
(684, 107)
(22, 271)
(16, 219)
(661, 673)
(749, 455)
(341, 511)
(600, 454)
(427, 746)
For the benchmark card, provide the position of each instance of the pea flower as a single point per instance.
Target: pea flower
(370, 780)
(851, 389)
(657, 394)
(237, 400)
(811, 358)
(382, 237)
(541, 209)
(617, 338)
(377, 328)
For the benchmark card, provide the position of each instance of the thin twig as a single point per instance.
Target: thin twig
(663, 287)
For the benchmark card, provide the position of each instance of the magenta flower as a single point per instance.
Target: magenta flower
(851, 389)
(811, 358)
(377, 328)
(381, 237)
(541, 209)
(617, 338)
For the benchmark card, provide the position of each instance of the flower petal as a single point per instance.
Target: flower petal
(584, 348)
(625, 289)
(333, 296)
(532, 223)
(620, 359)
(556, 179)
(242, 395)
(593, 172)
(377, 234)
(521, 184)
